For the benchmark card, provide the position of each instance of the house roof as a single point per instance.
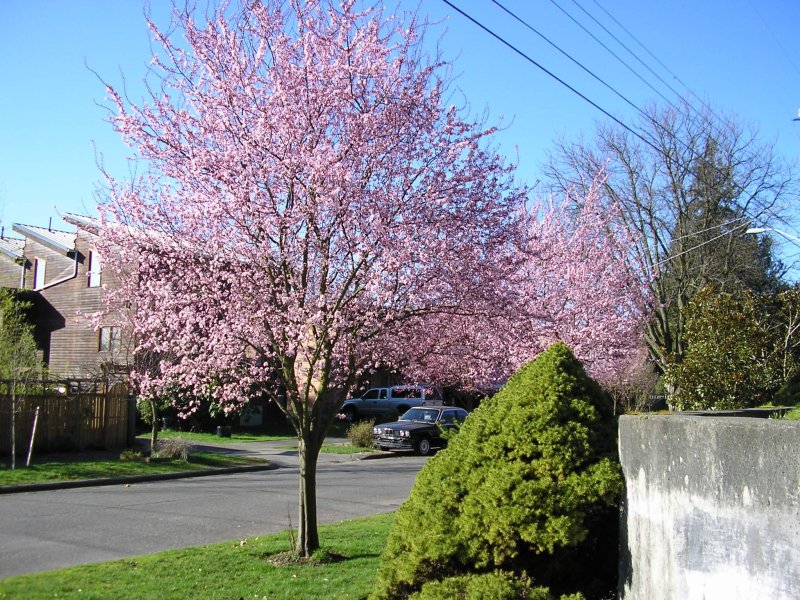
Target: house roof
(60, 241)
(90, 224)
(12, 247)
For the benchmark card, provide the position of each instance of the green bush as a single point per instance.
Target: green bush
(487, 586)
(530, 486)
(177, 448)
(360, 434)
(789, 392)
(145, 408)
(131, 456)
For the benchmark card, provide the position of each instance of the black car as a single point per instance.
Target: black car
(418, 429)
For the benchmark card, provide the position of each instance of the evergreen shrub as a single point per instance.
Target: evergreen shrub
(486, 586)
(530, 487)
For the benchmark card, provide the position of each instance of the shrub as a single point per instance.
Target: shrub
(145, 408)
(177, 448)
(132, 456)
(494, 586)
(360, 434)
(530, 487)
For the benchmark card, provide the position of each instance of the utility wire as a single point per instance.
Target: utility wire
(584, 97)
(774, 37)
(631, 52)
(639, 110)
(614, 54)
(647, 117)
(550, 73)
(713, 227)
(715, 125)
(693, 248)
(574, 60)
(641, 45)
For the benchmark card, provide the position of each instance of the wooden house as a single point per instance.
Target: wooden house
(61, 273)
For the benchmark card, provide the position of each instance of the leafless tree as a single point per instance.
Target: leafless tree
(690, 183)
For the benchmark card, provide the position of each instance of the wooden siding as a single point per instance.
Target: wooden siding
(59, 265)
(63, 309)
(65, 313)
(84, 421)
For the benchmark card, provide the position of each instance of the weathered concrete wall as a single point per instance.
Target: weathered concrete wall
(712, 508)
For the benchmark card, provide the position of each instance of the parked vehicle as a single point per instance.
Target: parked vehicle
(420, 429)
(382, 401)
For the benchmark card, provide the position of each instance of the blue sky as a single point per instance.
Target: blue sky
(740, 56)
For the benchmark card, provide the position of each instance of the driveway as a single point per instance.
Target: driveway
(52, 529)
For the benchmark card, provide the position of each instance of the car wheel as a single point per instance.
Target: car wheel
(350, 414)
(422, 446)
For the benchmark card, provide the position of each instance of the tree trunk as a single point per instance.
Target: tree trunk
(307, 534)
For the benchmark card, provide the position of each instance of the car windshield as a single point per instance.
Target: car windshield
(422, 415)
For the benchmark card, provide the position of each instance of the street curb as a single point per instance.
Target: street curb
(78, 483)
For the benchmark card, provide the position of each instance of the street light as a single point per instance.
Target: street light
(789, 236)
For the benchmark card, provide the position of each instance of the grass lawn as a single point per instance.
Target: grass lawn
(340, 448)
(346, 448)
(247, 569)
(793, 415)
(214, 438)
(114, 467)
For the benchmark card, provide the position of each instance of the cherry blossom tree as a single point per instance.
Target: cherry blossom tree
(311, 207)
(571, 278)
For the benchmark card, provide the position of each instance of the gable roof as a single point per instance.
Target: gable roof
(90, 224)
(12, 247)
(60, 241)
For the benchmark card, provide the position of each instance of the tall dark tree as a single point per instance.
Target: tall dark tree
(720, 255)
(690, 185)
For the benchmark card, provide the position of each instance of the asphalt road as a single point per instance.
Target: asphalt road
(46, 530)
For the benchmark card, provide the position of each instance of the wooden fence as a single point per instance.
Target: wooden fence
(72, 421)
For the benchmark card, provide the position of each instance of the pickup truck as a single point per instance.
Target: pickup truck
(386, 400)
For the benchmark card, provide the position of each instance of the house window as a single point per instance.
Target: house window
(109, 339)
(38, 273)
(94, 269)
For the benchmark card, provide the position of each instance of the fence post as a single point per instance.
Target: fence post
(33, 437)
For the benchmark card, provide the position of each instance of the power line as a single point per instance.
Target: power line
(612, 53)
(574, 60)
(635, 39)
(700, 245)
(713, 227)
(714, 122)
(631, 69)
(693, 152)
(550, 73)
(633, 54)
(786, 54)
(641, 45)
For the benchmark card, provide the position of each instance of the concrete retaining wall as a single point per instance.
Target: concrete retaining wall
(712, 508)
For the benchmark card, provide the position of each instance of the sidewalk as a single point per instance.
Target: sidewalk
(277, 454)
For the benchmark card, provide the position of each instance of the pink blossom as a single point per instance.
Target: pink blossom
(310, 210)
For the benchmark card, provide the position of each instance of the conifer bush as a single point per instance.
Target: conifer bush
(529, 487)
(486, 586)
